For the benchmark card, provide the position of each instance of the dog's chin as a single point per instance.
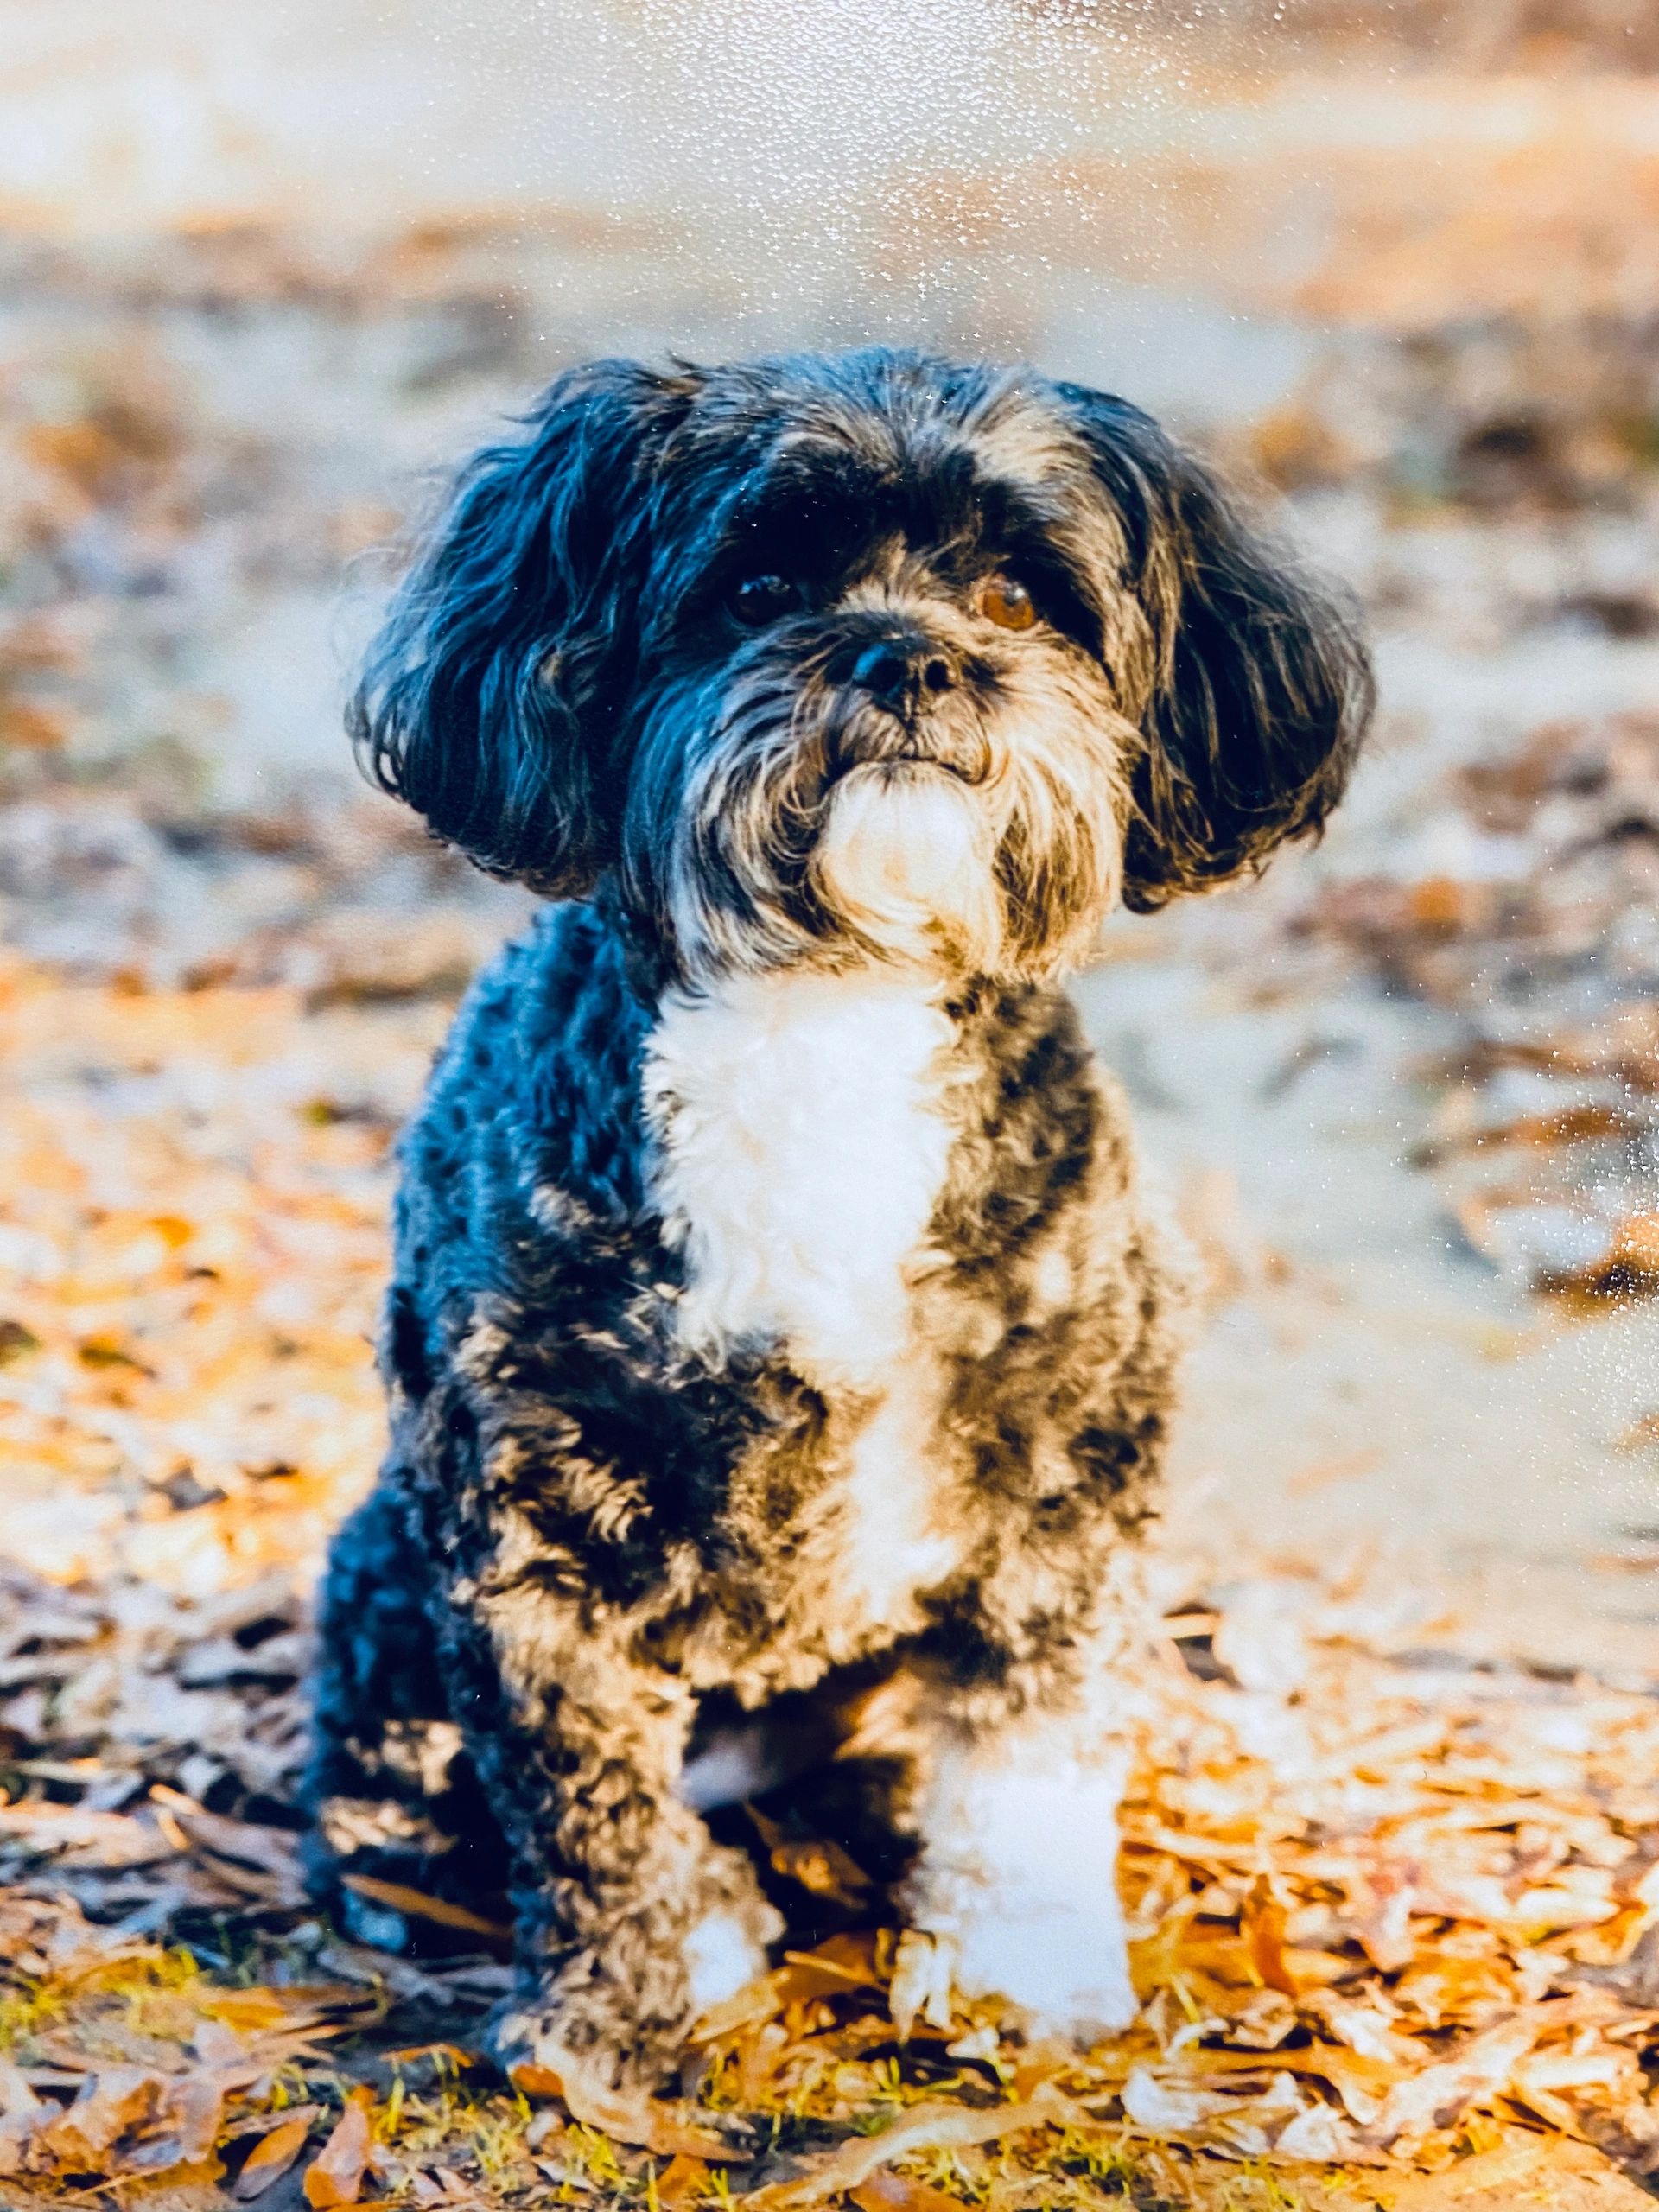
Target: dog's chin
(907, 866)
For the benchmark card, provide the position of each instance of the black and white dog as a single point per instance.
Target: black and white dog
(779, 1353)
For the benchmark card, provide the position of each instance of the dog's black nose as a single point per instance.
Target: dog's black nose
(898, 673)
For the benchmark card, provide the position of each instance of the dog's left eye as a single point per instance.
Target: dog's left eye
(759, 599)
(1005, 601)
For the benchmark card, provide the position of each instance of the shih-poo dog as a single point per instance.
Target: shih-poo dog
(779, 1351)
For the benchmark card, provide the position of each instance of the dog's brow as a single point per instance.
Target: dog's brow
(827, 498)
(1025, 446)
(821, 491)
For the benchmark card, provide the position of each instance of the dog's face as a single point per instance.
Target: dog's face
(861, 657)
(882, 672)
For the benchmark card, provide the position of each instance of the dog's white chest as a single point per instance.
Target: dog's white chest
(803, 1144)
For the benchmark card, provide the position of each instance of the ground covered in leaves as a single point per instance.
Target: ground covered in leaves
(1395, 1911)
(1528, 905)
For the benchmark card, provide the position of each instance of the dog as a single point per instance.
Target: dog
(780, 1353)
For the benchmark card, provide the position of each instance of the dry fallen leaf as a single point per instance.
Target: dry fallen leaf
(1440, 2095)
(270, 2158)
(417, 1902)
(334, 2177)
(1264, 1921)
(1555, 2175)
(637, 2119)
(684, 2181)
(195, 2110)
(109, 2105)
(890, 2192)
(923, 2127)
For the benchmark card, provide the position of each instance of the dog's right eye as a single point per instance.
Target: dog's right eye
(759, 599)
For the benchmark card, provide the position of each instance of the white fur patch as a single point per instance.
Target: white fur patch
(804, 1146)
(1020, 1874)
(721, 1957)
(907, 857)
(1053, 1280)
(889, 1548)
(803, 1149)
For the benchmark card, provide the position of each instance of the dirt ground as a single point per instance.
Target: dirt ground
(1389, 1860)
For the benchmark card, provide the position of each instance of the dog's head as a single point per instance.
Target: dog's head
(873, 657)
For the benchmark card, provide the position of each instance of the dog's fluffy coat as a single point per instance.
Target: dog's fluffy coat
(779, 1350)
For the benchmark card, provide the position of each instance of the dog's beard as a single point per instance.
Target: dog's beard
(907, 862)
(990, 845)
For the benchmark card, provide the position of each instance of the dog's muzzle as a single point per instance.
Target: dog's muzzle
(904, 709)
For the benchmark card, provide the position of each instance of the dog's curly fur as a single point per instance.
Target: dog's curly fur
(779, 1352)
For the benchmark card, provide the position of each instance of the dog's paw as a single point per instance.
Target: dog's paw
(548, 2050)
(524, 2038)
(1065, 1967)
(603, 2087)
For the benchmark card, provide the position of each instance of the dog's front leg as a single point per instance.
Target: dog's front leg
(631, 1919)
(1018, 1869)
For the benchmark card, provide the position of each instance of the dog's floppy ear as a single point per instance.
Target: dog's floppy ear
(1260, 688)
(490, 699)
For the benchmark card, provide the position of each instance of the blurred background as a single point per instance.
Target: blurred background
(267, 270)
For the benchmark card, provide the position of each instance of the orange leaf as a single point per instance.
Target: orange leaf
(42, 730)
(1441, 904)
(401, 1898)
(890, 2192)
(824, 1869)
(625, 2118)
(929, 2126)
(682, 2182)
(270, 2158)
(110, 2103)
(818, 1863)
(536, 2080)
(840, 1963)
(1264, 1921)
(336, 2175)
(196, 2108)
